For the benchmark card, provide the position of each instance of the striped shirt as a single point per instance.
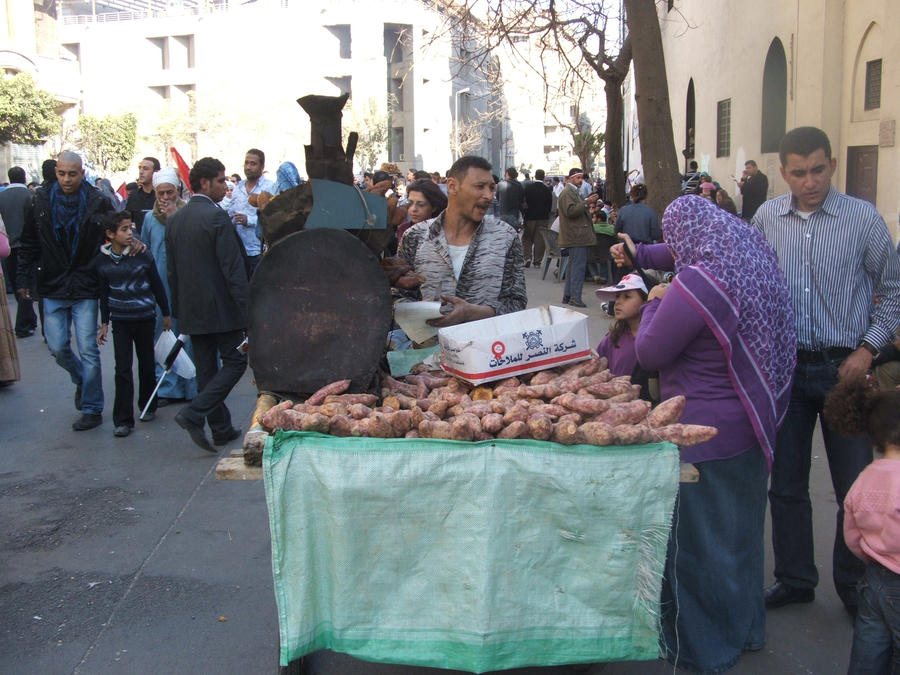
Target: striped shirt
(836, 262)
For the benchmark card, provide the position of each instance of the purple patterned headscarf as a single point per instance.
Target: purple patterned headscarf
(730, 274)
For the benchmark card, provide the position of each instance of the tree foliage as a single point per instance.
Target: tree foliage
(585, 35)
(108, 142)
(27, 114)
(371, 123)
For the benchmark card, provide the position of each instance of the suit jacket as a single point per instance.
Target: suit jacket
(575, 226)
(206, 271)
(14, 201)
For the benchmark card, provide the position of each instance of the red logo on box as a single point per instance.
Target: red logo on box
(498, 348)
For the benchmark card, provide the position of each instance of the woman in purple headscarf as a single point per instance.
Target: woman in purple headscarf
(722, 335)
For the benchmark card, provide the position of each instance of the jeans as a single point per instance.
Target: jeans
(533, 241)
(130, 337)
(792, 532)
(876, 634)
(214, 383)
(84, 369)
(712, 600)
(575, 273)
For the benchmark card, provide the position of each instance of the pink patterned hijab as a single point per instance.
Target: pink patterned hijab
(730, 274)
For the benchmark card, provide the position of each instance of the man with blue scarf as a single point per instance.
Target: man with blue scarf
(62, 235)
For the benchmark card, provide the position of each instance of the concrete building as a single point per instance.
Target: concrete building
(216, 78)
(29, 44)
(742, 73)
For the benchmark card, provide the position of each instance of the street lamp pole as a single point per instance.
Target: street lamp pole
(460, 92)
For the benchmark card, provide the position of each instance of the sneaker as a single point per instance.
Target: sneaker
(87, 421)
(122, 430)
(78, 397)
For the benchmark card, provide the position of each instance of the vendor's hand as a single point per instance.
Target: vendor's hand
(240, 219)
(136, 247)
(101, 334)
(23, 294)
(856, 365)
(658, 291)
(167, 323)
(617, 251)
(462, 312)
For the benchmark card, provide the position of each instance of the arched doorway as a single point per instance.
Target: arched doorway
(774, 98)
(689, 134)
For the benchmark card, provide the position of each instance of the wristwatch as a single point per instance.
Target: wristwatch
(869, 347)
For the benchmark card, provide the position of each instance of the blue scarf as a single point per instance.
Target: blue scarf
(66, 213)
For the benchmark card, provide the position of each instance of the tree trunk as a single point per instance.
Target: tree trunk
(660, 163)
(613, 154)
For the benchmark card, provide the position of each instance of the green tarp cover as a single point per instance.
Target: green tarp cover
(472, 556)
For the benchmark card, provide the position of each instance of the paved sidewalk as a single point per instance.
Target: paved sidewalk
(127, 556)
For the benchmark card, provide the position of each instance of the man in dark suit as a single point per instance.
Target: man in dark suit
(208, 281)
(754, 187)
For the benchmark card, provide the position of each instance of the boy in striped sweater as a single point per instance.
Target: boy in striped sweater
(130, 289)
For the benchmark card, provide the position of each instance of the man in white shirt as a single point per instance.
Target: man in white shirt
(243, 213)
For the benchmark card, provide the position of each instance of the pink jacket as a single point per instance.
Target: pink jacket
(871, 516)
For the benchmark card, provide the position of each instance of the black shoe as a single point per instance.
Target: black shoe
(566, 299)
(196, 432)
(122, 430)
(163, 402)
(780, 594)
(577, 303)
(149, 417)
(24, 333)
(227, 437)
(87, 421)
(78, 397)
(527, 264)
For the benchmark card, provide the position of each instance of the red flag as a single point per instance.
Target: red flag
(123, 192)
(183, 171)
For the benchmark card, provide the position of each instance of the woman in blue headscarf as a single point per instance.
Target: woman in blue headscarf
(286, 177)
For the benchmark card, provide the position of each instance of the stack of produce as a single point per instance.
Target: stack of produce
(581, 404)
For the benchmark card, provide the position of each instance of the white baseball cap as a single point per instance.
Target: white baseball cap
(628, 282)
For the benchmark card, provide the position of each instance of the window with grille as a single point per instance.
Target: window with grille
(873, 85)
(723, 128)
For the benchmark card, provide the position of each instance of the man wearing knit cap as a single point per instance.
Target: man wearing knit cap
(576, 233)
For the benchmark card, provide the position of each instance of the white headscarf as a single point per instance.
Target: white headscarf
(166, 175)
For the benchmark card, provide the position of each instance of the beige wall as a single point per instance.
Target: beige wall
(826, 42)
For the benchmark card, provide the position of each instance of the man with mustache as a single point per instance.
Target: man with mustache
(471, 261)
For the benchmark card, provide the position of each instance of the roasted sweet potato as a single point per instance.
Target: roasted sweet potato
(518, 413)
(565, 432)
(633, 434)
(513, 430)
(596, 433)
(439, 408)
(359, 411)
(540, 426)
(465, 427)
(631, 412)
(316, 422)
(587, 405)
(349, 399)
(686, 434)
(482, 394)
(401, 421)
(437, 429)
(492, 423)
(607, 389)
(340, 425)
(667, 412)
(543, 377)
(338, 387)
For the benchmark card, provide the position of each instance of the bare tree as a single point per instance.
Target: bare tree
(586, 138)
(586, 37)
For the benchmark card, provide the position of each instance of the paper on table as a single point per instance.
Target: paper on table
(411, 317)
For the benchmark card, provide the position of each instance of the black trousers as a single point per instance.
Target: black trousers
(130, 337)
(26, 321)
(214, 383)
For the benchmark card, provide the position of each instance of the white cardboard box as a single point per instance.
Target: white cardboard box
(513, 344)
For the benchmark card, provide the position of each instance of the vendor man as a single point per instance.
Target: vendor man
(471, 261)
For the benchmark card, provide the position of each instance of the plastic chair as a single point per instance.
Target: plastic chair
(551, 251)
(602, 256)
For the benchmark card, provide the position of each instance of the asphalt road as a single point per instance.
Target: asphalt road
(127, 556)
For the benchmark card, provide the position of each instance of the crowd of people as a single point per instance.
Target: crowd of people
(767, 321)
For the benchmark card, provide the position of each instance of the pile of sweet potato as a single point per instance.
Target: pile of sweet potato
(581, 404)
